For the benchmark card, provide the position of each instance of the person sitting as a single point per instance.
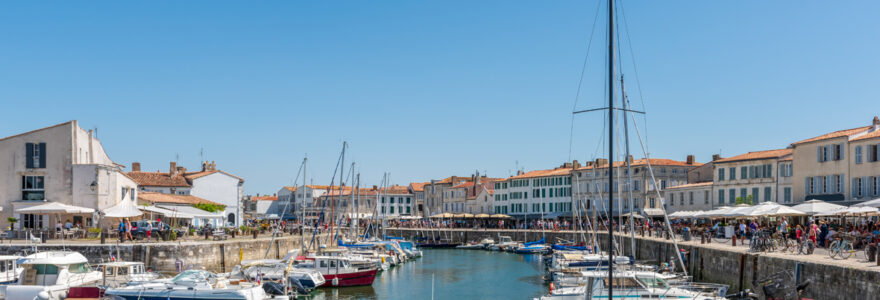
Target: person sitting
(68, 225)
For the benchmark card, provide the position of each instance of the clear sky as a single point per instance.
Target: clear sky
(428, 89)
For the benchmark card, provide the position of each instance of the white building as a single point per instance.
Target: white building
(535, 193)
(758, 176)
(208, 183)
(297, 197)
(689, 197)
(61, 163)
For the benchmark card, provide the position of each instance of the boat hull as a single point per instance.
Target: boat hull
(350, 279)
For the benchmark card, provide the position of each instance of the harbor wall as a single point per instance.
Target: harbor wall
(716, 263)
(217, 256)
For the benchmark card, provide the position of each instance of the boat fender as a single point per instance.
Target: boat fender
(336, 281)
(551, 288)
(383, 259)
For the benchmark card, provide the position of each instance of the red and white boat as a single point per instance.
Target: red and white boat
(338, 271)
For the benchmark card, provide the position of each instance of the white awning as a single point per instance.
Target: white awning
(124, 209)
(54, 208)
(813, 207)
(192, 211)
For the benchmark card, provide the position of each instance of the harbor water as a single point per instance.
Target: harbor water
(455, 274)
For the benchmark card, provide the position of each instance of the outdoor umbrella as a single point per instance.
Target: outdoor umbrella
(813, 207)
(872, 203)
(55, 208)
(500, 216)
(773, 209)
(124, 209)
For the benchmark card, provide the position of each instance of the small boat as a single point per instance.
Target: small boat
(51, 274)
(338, 271)
(505, 243)
(120, 273)
(442, 243)
(190, 285)
(274, 270)
(9, 272)
(538, 246)
(627, 284)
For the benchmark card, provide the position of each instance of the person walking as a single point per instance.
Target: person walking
(121, 231)
(149, 229)
(128, 230)
(813, 232)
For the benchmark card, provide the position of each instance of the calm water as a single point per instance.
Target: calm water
(458, 274)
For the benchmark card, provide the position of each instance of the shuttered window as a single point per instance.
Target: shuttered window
(858, 154)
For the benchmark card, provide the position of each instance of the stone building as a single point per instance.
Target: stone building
(418, 191)
(61, 163)
(690, 196)
(208, 183)
(590, 190)
(842, 166)
(535, 193)
(474, 196)
(754, 177)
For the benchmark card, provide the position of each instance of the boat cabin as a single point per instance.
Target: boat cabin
(57, 268)
(120, 272)
(9, 269)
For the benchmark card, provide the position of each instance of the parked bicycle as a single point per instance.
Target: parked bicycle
(842, 247)
(761, 242)
(786, 244)
(805, 246)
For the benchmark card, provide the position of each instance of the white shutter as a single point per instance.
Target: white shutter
(819, 154)
(807, 186)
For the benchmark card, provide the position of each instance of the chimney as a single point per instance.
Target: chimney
(375, 187)
(519, 172)
(204, 166)
(181, 170)
(716, 157)
(575, 164)
(690, 159)
(601, 162)
(213, 166)
(629, 159)
(567, 165)
(135, 167)
(876, 123)
(477, 180)
(173, 169)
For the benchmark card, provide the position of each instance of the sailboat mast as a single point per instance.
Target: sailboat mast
(302, 209)
(610, 147)
(632, 220)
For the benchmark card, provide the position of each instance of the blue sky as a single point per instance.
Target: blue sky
(428, 89)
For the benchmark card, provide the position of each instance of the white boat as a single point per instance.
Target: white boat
(9, 272)
(504, 243)
(274, 270)
(120, 273)
(190, 285)
(627, 284)
(51, 274)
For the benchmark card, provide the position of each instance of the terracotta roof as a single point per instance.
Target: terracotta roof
(194, 175)
(543, 173)
(158, 179)
(690, 185)
(644, 162)
(869, 135)
(767, 154)
(464, 185)
(316, 187)
(153, 198)
(263, 198)
(418, 186)
(839, 133)
(787, 158)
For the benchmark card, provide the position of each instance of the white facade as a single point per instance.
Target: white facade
(534, 193)
(224, 189)
(61, 163)
(689, 197)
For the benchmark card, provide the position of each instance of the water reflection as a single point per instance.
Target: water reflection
(453, 274)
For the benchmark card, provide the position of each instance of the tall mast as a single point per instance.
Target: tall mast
(610, 148)
(302, 209)
(632, 220)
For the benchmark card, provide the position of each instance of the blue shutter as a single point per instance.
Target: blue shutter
(854, 189)
(864, 186)
(29, 155)
(42, 155)
(807, 190)
(842, 151)
(819, 154)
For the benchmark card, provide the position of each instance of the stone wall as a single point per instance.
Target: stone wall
(716, 264)
(218, 256)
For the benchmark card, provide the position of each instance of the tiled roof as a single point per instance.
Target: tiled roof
(158, 179)
(690, 185)
(767, 154)
(464, 185)
(396, 190)
(869, 135)
(644, 162)
(194, 175)
(263, 198)
(543, 173)
(316, 187)
(418, 186)
(154, 198)
(839, 133)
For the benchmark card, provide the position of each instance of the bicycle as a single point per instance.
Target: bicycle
(805, 246)
(761, 242)
(785, 243)
(841, 247)
(718, 235)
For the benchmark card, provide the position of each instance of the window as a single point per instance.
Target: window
(767, 192)
(743, 172)
(32, 188)
(872, 153)
(32, 221)
(787, 195)
(35, 155)
(691, 198)
(732, 198)
(838, 155)
(84, 268)
(720, 174)
(858, 154)
(671, 199)
(407, 200)
(705, 197)
(720, 196)
(754, 195)
(732, 173)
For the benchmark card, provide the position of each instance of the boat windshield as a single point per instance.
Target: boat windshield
(80, 268)
(654, 282)
(191, 276)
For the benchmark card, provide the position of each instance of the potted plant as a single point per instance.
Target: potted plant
(12, 221)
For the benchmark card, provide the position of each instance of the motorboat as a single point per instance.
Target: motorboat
(438, 243)
(274, 270)
(338, 271)
(9, 269)
(504, 243)
(190, 284)
(538, 246)
(51, 274)
(120, 273)
(627, 284)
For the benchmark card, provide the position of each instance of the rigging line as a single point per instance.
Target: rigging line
(324, 203)
(635, 72)
(581, 78)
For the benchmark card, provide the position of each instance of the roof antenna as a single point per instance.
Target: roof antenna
(202, 154)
